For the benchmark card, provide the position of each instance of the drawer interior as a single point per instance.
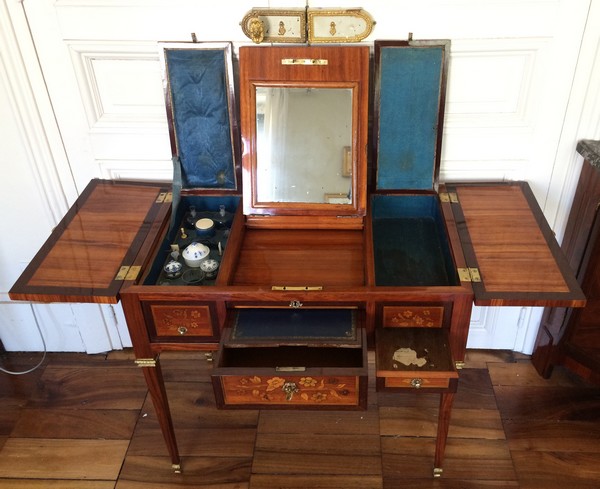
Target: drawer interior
(291, 357)
(293, 338)
(423, 350)
(410, 242)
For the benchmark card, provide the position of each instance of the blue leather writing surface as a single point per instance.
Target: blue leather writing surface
(200, 105)
(295, 324)
(409, 91)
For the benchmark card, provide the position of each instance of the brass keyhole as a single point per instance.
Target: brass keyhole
(290, 388)
(416, 383)
(182, 330)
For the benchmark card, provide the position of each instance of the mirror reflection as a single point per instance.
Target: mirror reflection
(304, 138)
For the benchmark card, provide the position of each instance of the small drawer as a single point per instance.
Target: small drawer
(413, 316)
(414, 358)
(306, 370)
(181, 320)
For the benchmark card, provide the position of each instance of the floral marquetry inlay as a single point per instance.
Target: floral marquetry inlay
(413, 316)
(303, 390)
(195, 320)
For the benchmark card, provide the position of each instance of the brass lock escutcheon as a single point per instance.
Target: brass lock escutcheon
(182, 330)
(290, 388)
(416, 383)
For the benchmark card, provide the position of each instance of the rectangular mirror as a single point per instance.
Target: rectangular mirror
(304, 116)
(303, 136)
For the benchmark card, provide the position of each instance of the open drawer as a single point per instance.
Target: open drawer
(292, 358)
(414, 358)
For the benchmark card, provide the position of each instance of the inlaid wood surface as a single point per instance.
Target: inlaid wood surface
(509, 429)
(513, 248)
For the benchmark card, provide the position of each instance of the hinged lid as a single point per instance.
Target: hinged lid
(304, 121)
(410, 86)
(100, 245)
(201, 111)
(511, 254)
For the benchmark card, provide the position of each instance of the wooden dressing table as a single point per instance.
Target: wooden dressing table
(306, 282)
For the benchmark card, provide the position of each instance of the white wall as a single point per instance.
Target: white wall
(523, 88)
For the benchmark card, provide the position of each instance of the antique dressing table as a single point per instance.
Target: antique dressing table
(320, 238)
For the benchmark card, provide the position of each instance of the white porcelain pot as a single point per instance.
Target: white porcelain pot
(195, 254)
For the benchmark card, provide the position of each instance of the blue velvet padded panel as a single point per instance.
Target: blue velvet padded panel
(199, 89)
(410, 81)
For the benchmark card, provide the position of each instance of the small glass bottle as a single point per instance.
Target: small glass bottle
(191, 217)
(223, 218)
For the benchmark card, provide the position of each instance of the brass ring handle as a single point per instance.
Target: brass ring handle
(182, 330)
(416, 383)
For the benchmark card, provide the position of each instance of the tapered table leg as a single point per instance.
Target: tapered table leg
(446, 400)
(156, 387)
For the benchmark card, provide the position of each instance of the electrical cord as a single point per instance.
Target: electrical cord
(28, 371)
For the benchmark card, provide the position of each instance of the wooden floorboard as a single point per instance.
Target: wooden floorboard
(86, 422)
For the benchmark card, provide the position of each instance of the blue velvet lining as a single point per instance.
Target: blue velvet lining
(295, 324)
(199, 92)
(410, 242)
(410, 80)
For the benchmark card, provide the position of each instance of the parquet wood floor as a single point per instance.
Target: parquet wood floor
(86, 422)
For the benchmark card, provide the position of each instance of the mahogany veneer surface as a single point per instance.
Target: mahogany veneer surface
(511, 257)
(104, 229)
(301, 258)
(102, 232)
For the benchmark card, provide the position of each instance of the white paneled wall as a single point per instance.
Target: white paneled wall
(81, 82)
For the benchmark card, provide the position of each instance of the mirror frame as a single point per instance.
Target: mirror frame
(304, 67)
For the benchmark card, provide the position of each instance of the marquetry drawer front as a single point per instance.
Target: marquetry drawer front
(182, 320)
(272, 359)
(290, 390)
(409, 316)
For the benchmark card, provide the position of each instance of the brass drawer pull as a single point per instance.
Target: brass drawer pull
(290, 388)
(416, 383)
(182, 330)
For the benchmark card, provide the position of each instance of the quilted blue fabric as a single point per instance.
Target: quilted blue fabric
(199, 90)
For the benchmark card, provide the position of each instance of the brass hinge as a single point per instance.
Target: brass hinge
(128, 273)
(145, 362)
(451, 197)
(164, 197)
(469, 275)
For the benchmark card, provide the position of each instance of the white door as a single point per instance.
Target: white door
(98, 103)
